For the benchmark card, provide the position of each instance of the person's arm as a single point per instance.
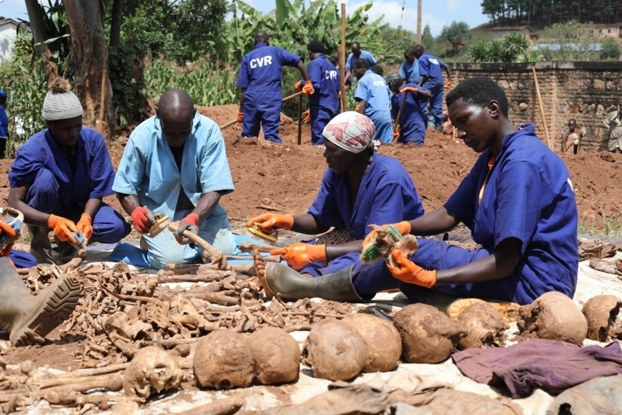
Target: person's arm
(362, 106)
(92, 207)
(424, 93)
(308, 224)
(438, 221)
(424, 80)
(17, 200)
(128, 202)
(444, 66)
(303, 70)
(493, 267)
(206, 205)
(335, 251)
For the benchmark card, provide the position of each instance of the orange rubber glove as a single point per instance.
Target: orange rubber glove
(298, 85)
(63, 228)
(299, 254)
(396, 133)
(6, 231)
(240, 116)
(448, 85)
(307, 118)
(408, 89)
(308, 89)
(85, 225)
(339, 95)
(403, 227)
(357, 108)
(268, 222)
(409, 272)
(140, 219)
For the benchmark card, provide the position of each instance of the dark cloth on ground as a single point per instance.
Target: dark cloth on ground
(553, 366)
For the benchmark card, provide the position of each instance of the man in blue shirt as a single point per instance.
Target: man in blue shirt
(432, 78)
(4, 124)
(324, 102)
(411, 128)
(409, 71)
(374, 101)
(259, 78)
(358, 53)
(334, 59)
(175, 164)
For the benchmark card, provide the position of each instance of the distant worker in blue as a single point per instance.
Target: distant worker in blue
(324, 102)
(358, 53)
(176, 164)
(409, 71)
(58, 180)
(432, 78)
(261, 100)
(359, 188)
(411, 127)
(334, 59)
(4, 124)
(374, 101)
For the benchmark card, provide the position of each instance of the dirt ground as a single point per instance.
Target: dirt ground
(287, 177)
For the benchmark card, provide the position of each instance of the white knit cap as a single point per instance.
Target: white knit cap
(60, 102)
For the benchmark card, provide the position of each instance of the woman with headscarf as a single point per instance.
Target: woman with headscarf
(359, 188)
(59, 177)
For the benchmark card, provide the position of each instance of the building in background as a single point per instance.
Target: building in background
(8, 33)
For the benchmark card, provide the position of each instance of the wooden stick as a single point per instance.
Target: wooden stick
(229, 124)
(399, 113)
(292, 96)
(546, 129)
(300, 120)
(342, 59)
(102, 103)
(217, 257)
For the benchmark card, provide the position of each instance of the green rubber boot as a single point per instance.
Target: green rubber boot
(29, 318)
(286, 281)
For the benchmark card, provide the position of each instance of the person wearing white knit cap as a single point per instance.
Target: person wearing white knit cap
(58, 180)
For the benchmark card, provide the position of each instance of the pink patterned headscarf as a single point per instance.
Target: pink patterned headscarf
(351, 131)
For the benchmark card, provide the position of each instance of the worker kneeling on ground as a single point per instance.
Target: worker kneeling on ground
(410, 129)
(28, 318)
(259, 78)
(58, 180)
(518, 202)
(359, 188)
(175, 164)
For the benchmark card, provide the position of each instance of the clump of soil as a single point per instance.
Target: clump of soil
(428, 335)
(276, 355)
(384, 345)
(601, 313)
(223, 360)
(335, 350)
(552, 316)
(485, 326)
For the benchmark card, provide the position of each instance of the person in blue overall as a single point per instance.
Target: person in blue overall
(430, 68)
(409, 71)
(372, 95)
(259, 78)
(359, 188)
(334, 59)
(356, 54)
(4, 124)
(324, 102)
(519, 203)
(59, 177)
(411, 127)
(176, 164)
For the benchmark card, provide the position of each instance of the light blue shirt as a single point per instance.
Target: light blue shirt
(149, 171)
(373, 89)
(410, 72)
(364, 55)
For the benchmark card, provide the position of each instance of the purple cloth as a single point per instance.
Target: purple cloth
(553, 366)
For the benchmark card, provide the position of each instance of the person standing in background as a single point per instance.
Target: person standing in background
(4, 124)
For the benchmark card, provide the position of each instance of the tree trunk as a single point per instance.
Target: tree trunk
(35, 15)
(91, 56)
(115, 25)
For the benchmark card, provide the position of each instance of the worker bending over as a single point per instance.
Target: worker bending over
(372, 95)
(411, 126)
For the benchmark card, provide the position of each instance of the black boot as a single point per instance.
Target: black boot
(31, 318)
(292, 286)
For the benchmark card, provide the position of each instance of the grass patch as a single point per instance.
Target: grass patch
(605, 227)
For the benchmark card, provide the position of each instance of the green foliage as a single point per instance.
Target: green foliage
(606, 227)
(292, 26)
(532, 56)
(427, 40)
(571, 41)
(394, 42)
(23, 80)
(207, 84)
(510, 49)
(610, 50)
(457, 32)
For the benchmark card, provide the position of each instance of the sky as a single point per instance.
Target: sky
(436, 13)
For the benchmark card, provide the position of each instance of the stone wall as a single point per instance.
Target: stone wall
(585, 91)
